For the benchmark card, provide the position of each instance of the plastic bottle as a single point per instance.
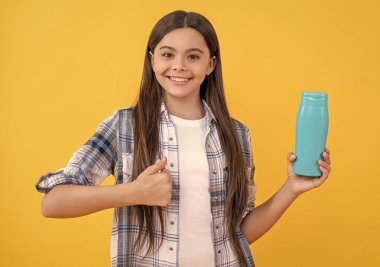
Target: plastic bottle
(311, 133)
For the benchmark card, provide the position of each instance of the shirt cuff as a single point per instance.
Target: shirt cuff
(52, 179)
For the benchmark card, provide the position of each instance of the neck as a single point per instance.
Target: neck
(188, 109)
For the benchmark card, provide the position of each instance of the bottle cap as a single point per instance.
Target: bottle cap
(314, 99)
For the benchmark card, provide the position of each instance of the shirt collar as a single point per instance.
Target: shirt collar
(209, 115)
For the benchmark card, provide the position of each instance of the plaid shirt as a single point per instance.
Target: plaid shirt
(110, 151)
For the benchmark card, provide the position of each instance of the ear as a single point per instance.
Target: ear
(151, 57)
(211, 65)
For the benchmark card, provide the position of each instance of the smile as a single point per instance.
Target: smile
(179, 79)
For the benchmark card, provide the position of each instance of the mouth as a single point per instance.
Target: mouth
(179, 80)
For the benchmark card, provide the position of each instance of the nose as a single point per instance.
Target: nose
(179, 64)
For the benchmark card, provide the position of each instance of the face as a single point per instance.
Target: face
(181, 61)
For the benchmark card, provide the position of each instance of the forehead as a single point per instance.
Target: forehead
(183, 39)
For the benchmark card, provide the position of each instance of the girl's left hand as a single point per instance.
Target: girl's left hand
(300, 184)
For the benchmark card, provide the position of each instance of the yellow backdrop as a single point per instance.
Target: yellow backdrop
(67, 65)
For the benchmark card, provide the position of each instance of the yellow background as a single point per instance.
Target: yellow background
(67, 65)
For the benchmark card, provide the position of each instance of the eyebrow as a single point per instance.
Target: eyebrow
(173, 49)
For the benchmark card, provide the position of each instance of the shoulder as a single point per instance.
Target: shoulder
(120, 117)
(240, 127)
(243, 134)
(126, 112)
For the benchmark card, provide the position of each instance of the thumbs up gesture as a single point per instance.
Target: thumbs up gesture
(155, 185)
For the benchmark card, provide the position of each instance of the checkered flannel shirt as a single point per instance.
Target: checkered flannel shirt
(110, 151)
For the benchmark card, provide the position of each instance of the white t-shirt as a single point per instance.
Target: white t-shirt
(195, 218)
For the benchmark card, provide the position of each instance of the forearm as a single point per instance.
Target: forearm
(263, 217)
(68, 201)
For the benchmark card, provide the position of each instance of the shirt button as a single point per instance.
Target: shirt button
(171, 249)
(209, 146)
(219, 251)
(170, 138)
(217, 227)
(214, 171)
(171, 165)
(172, 223)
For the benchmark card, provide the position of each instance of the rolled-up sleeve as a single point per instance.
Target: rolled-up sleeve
(92, 163)
(250, 173)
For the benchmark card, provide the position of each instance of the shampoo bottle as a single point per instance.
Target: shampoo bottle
(311, 133)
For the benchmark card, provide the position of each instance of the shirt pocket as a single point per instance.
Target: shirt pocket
(127, 163)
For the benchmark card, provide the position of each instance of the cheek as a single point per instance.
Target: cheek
(159, 78)
(203, 70)
(159, 68)
(201, 73)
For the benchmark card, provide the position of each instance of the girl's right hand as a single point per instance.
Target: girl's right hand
(154, 185)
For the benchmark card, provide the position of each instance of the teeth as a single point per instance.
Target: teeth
(179, 79)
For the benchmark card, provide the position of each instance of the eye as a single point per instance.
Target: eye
(193, 57)
(167, 55)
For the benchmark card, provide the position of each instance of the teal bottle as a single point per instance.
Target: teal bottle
(311, 133)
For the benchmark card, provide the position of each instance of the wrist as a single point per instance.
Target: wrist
(130, 194)
(291, 190)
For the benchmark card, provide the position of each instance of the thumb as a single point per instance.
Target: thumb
(156, 167)
(291, 158)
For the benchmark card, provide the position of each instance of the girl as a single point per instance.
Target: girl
(183, 167)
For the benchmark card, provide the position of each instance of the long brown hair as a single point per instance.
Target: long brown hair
(146, 121)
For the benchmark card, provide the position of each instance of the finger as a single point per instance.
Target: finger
(327, 150)
(324, 164)
(326, 157)
(326, 169)
(325, 174)
(318, 181)
(156, 167)
(165, 172)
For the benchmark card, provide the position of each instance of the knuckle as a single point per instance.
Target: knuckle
(149, 169)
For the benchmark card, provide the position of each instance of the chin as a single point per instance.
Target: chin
(176, 94)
